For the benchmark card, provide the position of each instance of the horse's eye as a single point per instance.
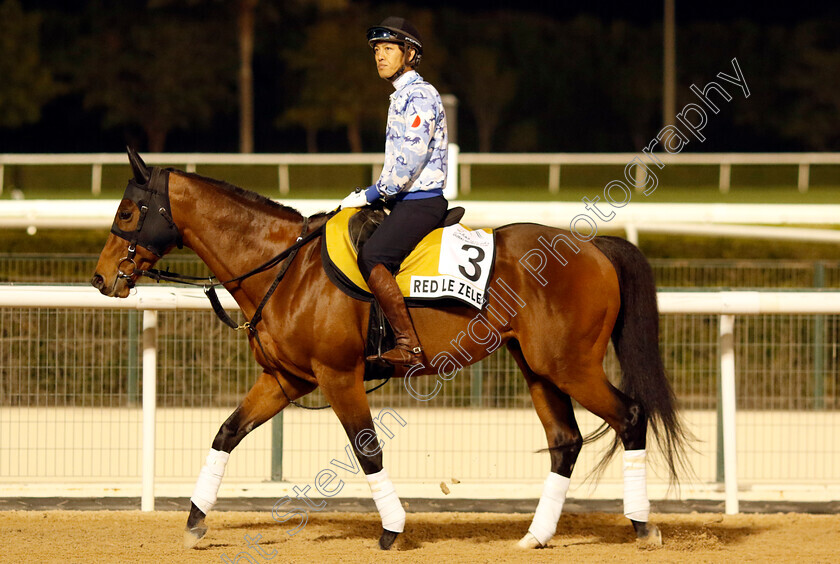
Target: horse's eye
(125, 215)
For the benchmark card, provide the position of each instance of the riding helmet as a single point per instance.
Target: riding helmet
(400, 31)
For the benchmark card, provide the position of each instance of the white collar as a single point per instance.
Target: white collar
(407, 77)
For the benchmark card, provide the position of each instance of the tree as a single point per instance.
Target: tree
(157, 72)
(631, 77)
(245, 20)
(586, 84)
(26, 83)
(338, 86)
(813, 79)
(765, 54)
(479, 67)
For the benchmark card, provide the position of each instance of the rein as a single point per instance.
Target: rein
(210, 289)
(152, 199)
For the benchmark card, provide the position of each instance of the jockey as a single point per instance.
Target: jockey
(412, 178)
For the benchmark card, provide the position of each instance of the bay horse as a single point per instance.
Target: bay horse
(554, 299)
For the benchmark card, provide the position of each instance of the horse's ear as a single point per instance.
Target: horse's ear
(141, 171)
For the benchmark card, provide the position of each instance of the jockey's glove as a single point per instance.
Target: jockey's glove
(360, 197)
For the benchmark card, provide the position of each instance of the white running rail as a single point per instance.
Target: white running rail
(152, 299)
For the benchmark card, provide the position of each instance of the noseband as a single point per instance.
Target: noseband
(155, 231)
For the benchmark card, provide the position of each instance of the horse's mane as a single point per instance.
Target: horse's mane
(243, 193)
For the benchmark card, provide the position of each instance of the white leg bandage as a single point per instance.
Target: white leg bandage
(549, 508)
(209, 480)
(385, 496)
(636, 504)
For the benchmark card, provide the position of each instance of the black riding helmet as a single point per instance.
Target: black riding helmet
(400, 31)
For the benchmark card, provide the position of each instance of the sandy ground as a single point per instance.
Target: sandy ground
(132, 536)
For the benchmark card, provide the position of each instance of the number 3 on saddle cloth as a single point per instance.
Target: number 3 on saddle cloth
(450, 266)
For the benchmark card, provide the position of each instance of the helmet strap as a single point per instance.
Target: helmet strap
(404, 66)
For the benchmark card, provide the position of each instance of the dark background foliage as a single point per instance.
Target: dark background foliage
(93, 75)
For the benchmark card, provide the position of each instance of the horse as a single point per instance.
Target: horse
(555, 299)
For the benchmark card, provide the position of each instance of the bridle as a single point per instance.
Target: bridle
(157, 232)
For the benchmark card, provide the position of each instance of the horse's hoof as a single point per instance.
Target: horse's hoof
(194, 534)
(387, 539)
(529, 541)
(648, 534)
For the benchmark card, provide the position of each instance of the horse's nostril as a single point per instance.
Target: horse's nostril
(97, 281)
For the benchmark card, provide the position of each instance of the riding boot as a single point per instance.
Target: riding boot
(407, 351)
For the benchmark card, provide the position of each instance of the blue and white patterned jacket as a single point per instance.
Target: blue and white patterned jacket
(415, 142)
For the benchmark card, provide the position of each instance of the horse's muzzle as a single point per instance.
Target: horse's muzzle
(98, 282)
(119, 289)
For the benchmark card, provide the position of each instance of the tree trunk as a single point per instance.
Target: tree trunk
(157, 138)
(486, 128)
(245, 13)
(485, 136)
(669, 66)
(354, 136)
(312, 139)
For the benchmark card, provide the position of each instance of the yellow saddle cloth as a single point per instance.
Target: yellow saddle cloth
(452, 262)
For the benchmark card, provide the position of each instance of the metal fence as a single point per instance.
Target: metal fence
(737, 273)
(64, 371)
(670, 273)
(207, 365)
(90, 358)
(59, 426)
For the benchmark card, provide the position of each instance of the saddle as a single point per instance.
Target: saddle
(380, 336)
(362, 225)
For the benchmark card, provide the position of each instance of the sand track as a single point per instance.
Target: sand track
(132, 536)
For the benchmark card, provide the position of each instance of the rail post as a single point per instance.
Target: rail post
(465, 172)
(96, 179)
(277, 448)
(727, 384)
(554, 178)
(725, 177)
(819, 340)
(150, 321)
(283, 179)
(803, 179)
(133, 372)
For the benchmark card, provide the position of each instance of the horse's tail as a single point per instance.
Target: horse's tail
(635, 338)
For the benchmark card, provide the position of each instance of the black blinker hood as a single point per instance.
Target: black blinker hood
(155, 229)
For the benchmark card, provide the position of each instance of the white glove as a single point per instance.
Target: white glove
(355, 200)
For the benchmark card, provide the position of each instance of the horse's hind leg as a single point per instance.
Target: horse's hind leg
(628, 418)
(556, 413)
(262, 402)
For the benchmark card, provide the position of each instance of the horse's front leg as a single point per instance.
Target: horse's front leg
(347, 397)
(263, 401)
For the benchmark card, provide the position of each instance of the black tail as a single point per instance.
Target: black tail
(635, 338)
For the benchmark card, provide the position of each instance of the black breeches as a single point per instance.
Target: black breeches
(402, 229)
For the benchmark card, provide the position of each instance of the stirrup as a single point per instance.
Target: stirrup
(414, 354)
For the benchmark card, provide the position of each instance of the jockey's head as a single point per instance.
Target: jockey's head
(396, 46)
